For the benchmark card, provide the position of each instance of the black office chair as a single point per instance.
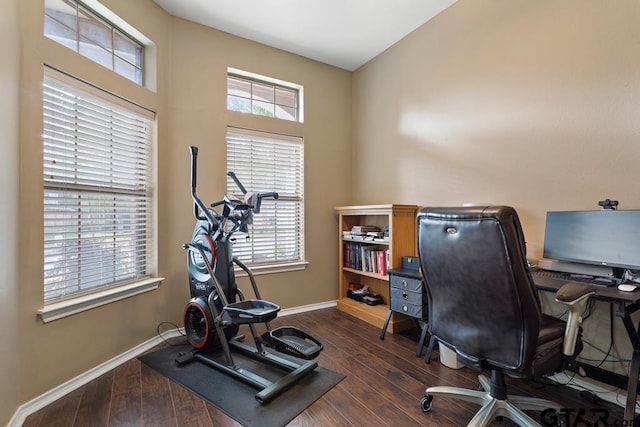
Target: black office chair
(483, 305)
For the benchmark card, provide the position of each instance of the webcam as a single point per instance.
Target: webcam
(608, 204)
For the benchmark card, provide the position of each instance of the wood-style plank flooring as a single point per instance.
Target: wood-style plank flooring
(383, 387)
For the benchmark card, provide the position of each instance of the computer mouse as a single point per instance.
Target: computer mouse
(625, 287)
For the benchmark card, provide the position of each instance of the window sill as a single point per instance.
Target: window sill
(62, 309)
(273, 268)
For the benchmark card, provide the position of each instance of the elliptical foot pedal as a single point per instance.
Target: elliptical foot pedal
(250, 311)
(294, 342)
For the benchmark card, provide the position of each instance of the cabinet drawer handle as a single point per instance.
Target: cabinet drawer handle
(405, 308)
(405, 295)
(404, 283)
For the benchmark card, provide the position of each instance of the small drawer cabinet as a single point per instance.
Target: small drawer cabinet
(406, 293)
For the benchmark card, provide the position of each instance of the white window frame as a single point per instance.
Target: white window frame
(268, 81)
(79, 44)
(86, 106)
(279, 168)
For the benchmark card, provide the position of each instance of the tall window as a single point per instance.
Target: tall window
(98, 206)
(266, 162)
(77, 27)
(263, 96)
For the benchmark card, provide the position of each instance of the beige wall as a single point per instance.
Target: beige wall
(9, 331)
(198, 116)
(189, 98)
(530, 104)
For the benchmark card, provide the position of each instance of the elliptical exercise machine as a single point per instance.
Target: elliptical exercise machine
(217, 308)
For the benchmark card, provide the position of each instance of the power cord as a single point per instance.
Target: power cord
(606, 356)
(587, 393)
(175, 327)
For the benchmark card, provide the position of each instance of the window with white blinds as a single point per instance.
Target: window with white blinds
(97, 189)
(266, 162)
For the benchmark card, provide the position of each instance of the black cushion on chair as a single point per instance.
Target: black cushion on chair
(548, 351)
(482, 301)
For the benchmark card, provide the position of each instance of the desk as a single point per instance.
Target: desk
(626, 303)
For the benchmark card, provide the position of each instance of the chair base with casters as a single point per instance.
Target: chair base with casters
(493, 400)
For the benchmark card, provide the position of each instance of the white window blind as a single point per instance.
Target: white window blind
(266, 162)
(97, 189)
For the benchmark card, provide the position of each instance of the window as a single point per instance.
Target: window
(263, 96)
(77, 27)
(98, 204)
(267, 162)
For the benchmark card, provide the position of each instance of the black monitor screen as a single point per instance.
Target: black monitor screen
(605, 237)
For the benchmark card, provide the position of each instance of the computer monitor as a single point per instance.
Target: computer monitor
(605, 237)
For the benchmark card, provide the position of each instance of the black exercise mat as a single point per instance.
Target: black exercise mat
(235, 398)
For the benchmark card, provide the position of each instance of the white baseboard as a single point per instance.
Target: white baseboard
(305, 308)
(56, 393)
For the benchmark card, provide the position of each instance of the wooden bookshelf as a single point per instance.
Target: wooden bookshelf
(401, 220)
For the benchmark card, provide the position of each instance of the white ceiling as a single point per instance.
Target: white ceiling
(343, 33)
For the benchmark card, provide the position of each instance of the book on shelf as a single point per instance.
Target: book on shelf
(367, 233)
(352, 256)
(364, 229)
(373, 259)
(365, 257)
(382, 262)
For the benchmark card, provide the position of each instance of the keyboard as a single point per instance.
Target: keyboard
(558, 278)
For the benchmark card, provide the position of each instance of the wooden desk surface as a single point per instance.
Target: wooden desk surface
(609, 293)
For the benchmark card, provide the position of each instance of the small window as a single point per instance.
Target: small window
(266, 162)
(77, 27)
(98, 201)
(263, 96)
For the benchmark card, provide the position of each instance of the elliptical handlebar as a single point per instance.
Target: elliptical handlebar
(240, 212)
(198, 205)
(252, 199)
(237, 181)
(258, 200)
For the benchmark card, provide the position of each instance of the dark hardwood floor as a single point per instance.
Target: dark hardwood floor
(383, 387)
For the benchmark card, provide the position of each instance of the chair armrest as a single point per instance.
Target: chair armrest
(576, 297)
(573, 291)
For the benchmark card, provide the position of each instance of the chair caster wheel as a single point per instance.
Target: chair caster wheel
(425, 403)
